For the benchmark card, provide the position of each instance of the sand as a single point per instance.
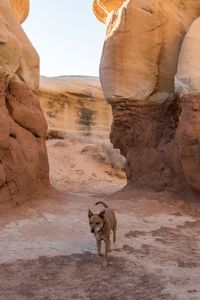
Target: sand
(80, 165)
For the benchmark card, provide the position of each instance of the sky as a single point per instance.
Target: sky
(66, 35)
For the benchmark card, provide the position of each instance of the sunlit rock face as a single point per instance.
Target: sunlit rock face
(141, 50)
(75, 106)
(23, 156)
(137, 71)
(102, 8)
(19, 60)
(21, 9)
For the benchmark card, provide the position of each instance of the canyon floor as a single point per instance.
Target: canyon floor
(47, 251)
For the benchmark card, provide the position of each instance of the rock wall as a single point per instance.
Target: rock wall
(155, 128)
(187, 86)
(23, 156)
(75, 106)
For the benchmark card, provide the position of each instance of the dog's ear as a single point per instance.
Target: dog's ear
(90, 214)
(102, 214)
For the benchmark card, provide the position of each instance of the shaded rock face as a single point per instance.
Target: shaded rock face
(187, 85)
(188, 139)
(155, 129)
(161, 142)
(23, 156)
(142, 46)
(145, 134)
(75, 106)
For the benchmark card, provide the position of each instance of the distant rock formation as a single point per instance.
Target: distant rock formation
(156, 129)
(75, 106)
(23, 156)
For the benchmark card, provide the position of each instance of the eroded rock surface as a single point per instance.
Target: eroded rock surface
(188, 72)
(187, 85)
(141, 50)
(155, 130)
(102, 8)
(145, 135)
(20, 8)
(23, 156)
(75, 106)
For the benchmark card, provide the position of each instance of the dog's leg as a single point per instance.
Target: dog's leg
(99, 247)
(114, 231)
(109, 246)
(105, 261)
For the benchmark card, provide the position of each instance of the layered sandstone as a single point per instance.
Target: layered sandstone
(75, 106)
(137, 71)
(23, 156)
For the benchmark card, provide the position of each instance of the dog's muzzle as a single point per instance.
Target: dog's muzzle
(92, 230)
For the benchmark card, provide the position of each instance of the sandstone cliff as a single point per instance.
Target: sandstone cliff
(155, 130)
(23, 156)
(75, 105)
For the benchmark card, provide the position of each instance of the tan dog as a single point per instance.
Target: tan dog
(101, 225)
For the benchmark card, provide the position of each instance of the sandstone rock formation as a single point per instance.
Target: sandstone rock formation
(23, 156)
(75, 105)
(102, 8)
(20, 9)
(188, 73)
(151, 125)
(187, 85)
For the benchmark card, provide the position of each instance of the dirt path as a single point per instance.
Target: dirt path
(47, 251)
(85, 166)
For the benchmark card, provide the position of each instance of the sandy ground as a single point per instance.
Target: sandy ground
(91, 167)
(48, 252)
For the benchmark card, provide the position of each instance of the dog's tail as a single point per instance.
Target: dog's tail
(100, 202)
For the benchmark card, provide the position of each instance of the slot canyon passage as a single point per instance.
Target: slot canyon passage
(150, 77)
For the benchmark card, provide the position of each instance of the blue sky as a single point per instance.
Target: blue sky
(67, 36)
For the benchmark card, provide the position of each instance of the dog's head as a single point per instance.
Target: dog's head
(96, 221)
